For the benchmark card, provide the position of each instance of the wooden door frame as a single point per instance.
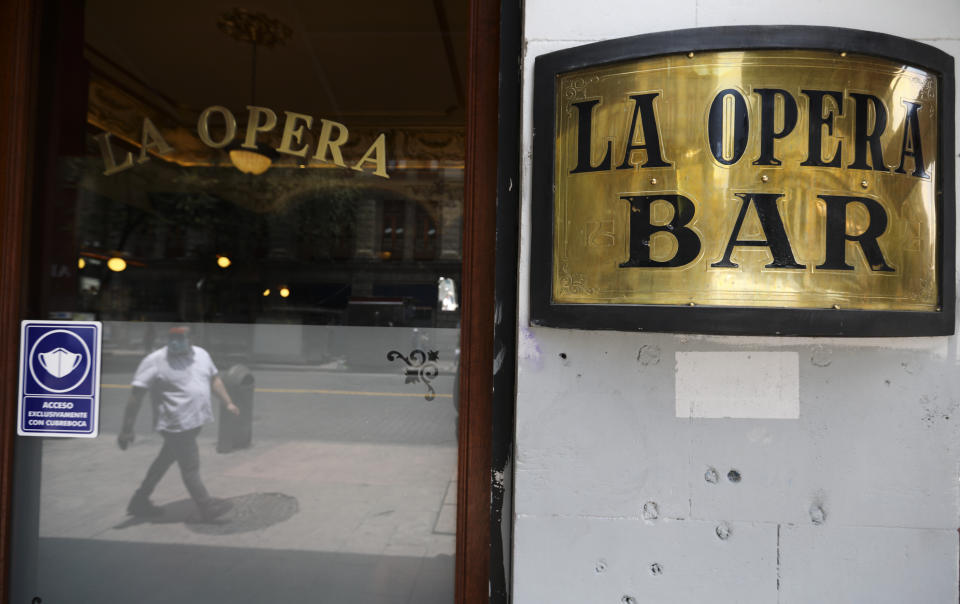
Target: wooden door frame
(19, 33)
(479, 242)
(19, 50)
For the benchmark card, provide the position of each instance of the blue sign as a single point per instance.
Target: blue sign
(59, 378)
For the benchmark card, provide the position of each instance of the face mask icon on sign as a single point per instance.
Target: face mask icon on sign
(59, 362)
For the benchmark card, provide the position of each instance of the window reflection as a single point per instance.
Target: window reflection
(336, 475)
(205, 255)
(319, 288)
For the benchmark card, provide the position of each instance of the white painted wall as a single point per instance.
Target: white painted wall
(848, 489)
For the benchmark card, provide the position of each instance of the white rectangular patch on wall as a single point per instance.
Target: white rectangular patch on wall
(748, 385)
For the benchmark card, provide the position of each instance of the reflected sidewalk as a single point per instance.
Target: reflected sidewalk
(363, 484)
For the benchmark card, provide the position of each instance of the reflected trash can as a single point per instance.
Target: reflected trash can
(236, 431)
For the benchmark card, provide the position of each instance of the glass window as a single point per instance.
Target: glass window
(264, 209)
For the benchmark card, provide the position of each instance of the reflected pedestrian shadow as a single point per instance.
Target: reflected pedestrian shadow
(251, 512)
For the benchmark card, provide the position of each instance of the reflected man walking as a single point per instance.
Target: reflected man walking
(180, 378)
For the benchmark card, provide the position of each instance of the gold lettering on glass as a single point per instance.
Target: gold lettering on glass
(230, 127)
(326, 144)
(293, 133)
(256, 126)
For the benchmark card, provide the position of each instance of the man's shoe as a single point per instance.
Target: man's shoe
(142, 507)
(213, 509)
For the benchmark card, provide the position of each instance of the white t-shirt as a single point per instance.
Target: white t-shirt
(179, 387)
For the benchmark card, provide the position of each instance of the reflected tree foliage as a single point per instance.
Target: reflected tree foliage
(171, 224)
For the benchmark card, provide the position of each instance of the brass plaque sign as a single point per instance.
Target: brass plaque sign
(783, 178)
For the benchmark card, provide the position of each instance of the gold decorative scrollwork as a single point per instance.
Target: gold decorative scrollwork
(576, 89)
(575, 284)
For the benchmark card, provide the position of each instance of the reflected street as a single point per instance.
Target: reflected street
(351, 478)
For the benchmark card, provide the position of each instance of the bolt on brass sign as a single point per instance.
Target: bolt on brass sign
(672, 186)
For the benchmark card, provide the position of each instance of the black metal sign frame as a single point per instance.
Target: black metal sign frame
(731, 319)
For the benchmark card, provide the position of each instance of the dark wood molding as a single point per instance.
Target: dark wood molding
(479, 240)
(449, 50)
(18, 35)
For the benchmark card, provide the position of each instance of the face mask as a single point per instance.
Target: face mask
(179, 345)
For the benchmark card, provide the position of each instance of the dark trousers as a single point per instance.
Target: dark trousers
(180, 447)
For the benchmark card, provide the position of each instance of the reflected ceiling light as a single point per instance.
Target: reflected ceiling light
(250, 162)
(284, 292)
(223, 261)
(255, 29)
(81, 263)
(117, 264)
(266, 292)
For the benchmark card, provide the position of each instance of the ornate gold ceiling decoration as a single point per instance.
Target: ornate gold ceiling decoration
(254, 28)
